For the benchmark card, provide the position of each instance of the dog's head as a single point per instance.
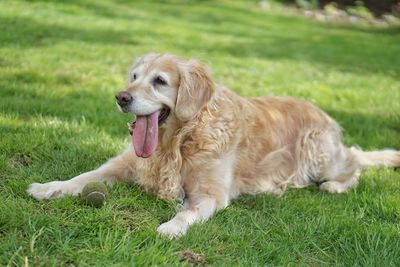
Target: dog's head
(161, 88)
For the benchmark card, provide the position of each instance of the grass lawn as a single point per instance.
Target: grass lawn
(61, 63)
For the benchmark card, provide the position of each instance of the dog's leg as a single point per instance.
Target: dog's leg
(203, 209)
(343, 182)
(339, 187)
(341, 172)
(116, 168)
(209, 190)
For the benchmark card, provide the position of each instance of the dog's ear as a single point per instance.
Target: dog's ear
(196, 88)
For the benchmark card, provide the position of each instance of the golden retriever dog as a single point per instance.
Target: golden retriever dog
(197, 141)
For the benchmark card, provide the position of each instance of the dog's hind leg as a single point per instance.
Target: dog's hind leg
(340, 171)
(322, 158)
(116, 168)
(346, 165)
(343, 182)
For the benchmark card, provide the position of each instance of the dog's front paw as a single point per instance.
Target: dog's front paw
(50, 190)
(172, 229)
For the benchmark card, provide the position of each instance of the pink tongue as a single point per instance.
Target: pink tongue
(145, 135)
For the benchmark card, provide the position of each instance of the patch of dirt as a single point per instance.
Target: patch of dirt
(19, 160)
(191, 257)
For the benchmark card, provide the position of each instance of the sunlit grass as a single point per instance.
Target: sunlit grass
(62, 62)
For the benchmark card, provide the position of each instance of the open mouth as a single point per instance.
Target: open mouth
(144, 131)
(164, 113)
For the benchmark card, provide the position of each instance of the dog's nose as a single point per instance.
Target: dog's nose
(123, 98)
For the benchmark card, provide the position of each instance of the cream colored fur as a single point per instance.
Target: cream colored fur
(216, 145)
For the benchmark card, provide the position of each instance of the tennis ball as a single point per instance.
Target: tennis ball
(94, 194)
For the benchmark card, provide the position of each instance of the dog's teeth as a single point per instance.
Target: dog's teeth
(130, 128)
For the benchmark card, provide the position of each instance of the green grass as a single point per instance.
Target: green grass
(60, 65)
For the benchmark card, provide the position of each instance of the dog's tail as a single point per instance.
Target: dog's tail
(382, 158)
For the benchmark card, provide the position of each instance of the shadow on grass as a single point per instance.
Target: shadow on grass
(237, 32)
(244, 33)
(371, 132)
(74, 106)
(24, 32)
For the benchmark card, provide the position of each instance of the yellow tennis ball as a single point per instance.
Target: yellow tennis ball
(94, 194)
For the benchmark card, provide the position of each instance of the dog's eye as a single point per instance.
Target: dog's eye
(158, 80)
(134, 76)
